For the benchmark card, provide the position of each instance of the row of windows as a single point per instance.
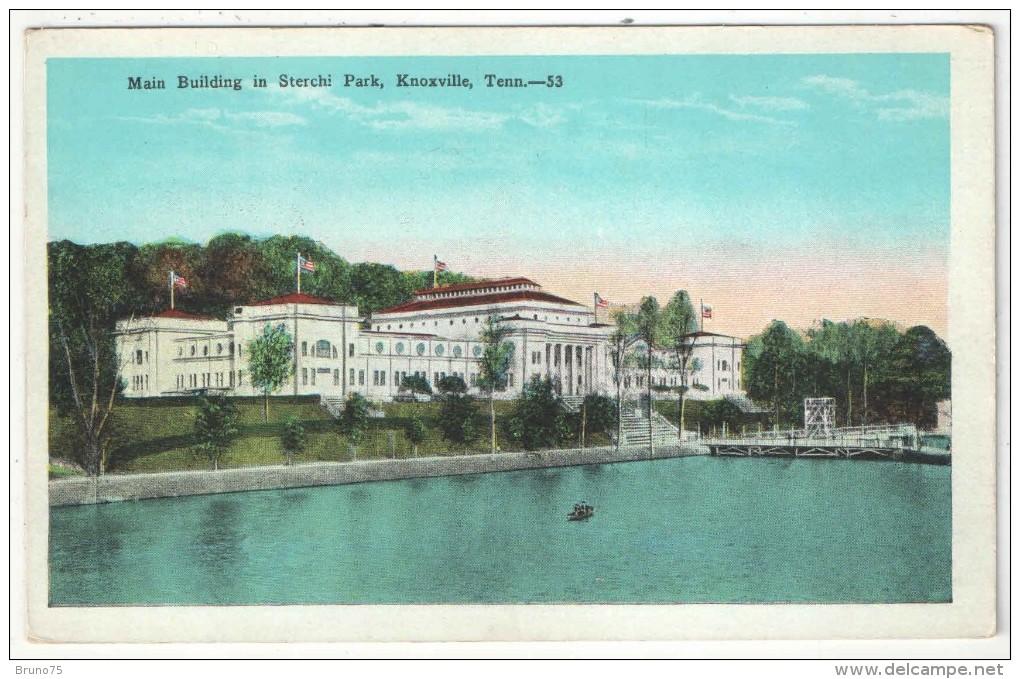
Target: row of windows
(140, 382)
(207, 380)
(140, 356)
(725, 365)
(463, 321)
(193, 350)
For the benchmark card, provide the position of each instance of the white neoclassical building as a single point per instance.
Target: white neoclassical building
(435, 334)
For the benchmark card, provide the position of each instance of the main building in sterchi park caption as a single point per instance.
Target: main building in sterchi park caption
(337, 351)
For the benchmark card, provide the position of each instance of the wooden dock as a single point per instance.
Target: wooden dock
(880, 441)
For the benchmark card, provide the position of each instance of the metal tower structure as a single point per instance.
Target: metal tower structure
(819, 417)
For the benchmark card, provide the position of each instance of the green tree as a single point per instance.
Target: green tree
(452, 384)
(834, 345)
(88, 293)
(538, 419)
(215, 425)
(416, 384)
(376, 286)
(416, 433)
(600, 414)
(494, 366)
(294, 438)
(679, 323)
(270, 361)
(620, 341)
(648, 324)
(234, 270)
(773, 361)
(150, 269)
(458, 418)
(353, 420)
(877, 341)
(916, 377)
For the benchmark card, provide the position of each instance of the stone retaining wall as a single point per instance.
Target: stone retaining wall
(117, 488)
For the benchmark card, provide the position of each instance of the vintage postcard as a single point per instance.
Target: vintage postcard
(510, 334)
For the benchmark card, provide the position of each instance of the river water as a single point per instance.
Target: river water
(696, 529)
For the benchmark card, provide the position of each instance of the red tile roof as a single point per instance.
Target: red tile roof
(480, 285)
(178, 313)
(476, 300)
(296, 298)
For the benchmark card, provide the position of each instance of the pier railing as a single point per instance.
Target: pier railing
(883, 439)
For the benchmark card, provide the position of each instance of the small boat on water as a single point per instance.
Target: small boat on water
(581, 512)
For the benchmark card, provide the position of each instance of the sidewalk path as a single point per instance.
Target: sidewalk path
(120, 487)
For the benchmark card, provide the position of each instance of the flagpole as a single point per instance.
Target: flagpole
(435, 270)
(172, 288)
(702, 303)
(595, 303)
(297, 263)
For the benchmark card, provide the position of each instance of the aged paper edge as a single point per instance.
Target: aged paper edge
(971, 335)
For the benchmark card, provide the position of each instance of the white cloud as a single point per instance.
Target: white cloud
(542, 115)
(411, 115)
(267, 118)
(771, 103)
(220, 120)
(695, 101)
(900, 105)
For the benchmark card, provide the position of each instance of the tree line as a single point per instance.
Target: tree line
(876, 373)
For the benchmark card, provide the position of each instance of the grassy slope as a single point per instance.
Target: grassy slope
(156, 434)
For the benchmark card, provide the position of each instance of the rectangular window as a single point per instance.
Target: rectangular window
(435, 379)
(375, 378)
(382, 377)
(351, 379)
(313, 377)
(361, 378)
(304, 348)
(138, 357)
(350, 349)
(510, 379)
(336, 378)
(304, 375)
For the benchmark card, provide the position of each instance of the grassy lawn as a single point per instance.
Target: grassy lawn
(155, 435)
(58, 471)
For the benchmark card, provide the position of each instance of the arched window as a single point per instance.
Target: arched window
(323, 349)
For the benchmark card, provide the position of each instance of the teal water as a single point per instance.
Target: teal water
(695, 529)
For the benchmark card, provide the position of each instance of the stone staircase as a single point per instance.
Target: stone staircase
(334, 405)
(572, 404)
(745, 404)
(635, 429)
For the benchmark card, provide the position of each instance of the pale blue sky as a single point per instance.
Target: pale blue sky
(656, 156)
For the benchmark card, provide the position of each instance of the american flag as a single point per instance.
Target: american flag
(178, 280)
(306, 264)
(440, 266)
(706, 311)
(599, 302)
